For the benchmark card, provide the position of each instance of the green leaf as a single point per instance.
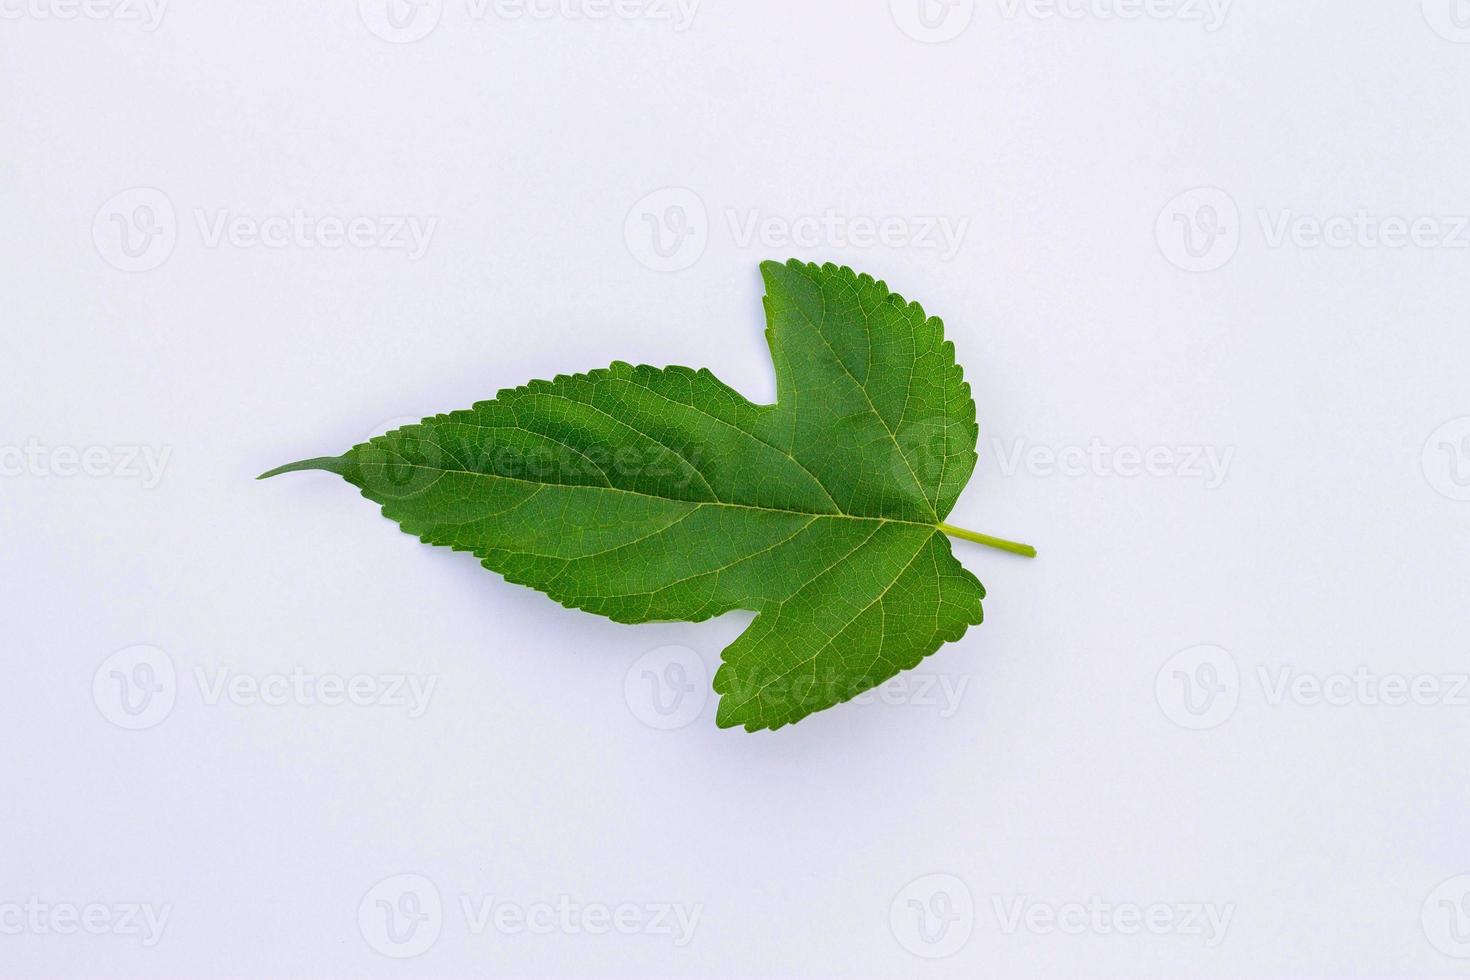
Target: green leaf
(646, 494)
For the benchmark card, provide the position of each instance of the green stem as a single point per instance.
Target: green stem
(985, 539)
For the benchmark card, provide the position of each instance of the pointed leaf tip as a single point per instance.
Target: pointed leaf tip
(332, 464)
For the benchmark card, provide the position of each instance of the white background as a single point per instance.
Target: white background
(1078, 766)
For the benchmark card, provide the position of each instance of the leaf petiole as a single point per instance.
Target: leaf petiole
(985, 539)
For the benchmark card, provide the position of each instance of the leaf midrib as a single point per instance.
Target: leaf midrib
(441, 470)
